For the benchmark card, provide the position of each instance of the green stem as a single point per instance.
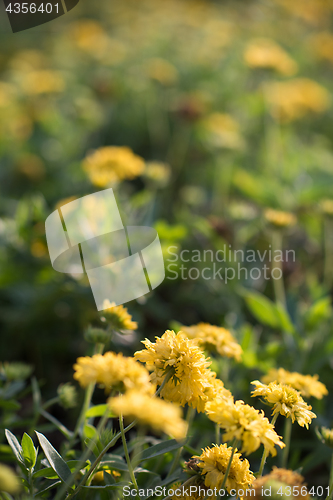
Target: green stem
(217, 434)
(128, 460)
(287, 436)
(265, 453)
(278, 285)
(229, 464)
(51, 402)
(330, 494)
(328, 260)
(189, 419)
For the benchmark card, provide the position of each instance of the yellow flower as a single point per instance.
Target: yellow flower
(118, 317)
(190, 376)
(307, 385)
(327, 207)
(113, 371)
(42, 82)
(277, 480)
(158, 414)
(90, 37)
(322, 44)
(214, 462)
(222, 130)
(9, 481)
(244, 423)
(279, 218)
(98, 478)
(266, 53)
(295, 98)
(217, 390)
(162, 71)
(158, 173)
(111, 164)
(214, 338)
(286, 401)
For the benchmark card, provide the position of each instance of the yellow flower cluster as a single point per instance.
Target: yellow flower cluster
(327, 207)
(214, 338)
(112, 164)
(281, 478)
(42, 82)
(182, 357)
(286, 401)
(117, 317)
(307, 385)
(244, 423)
(214, 462)
(222, 130)
(295, 98)
(114, 371)
(158, 414)
(279, 218)
(266, 53)
(322, 44)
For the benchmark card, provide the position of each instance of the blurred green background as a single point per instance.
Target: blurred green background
(229, 105)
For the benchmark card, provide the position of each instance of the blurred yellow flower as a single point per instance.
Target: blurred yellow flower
(154, 412)
(89, 36)
(111, 164)
(322, 45)
(187, 363)
(325, 435)
(217, 389)
(327, 207)
(214, 338)
(286, 401)
(312, 11)
(295, 98)
(307, 385)
(117, 317)
(114, 371)
(214, 462)
(42, 82)
(161, 70)
(266, 53)
(98, 478)
(244, 423)
(276, 481)
(9, 481)
(279, 218)
(222, 130)
(7, 93)
(158, 173)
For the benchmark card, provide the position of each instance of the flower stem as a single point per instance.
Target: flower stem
(278, 285)
(330, 494)
(217, 434)
(229, 464)
(264, 455)
(189, 419)
(128, 460)
(287, 436)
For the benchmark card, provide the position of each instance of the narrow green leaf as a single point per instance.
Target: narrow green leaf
(263, 309)
(49, 473)
(15, 446)
(160, 449)
(28, 451)
(57, 463)
(318, 312)
(98, 411)
(285, 322)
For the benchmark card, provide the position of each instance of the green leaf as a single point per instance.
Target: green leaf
(159, 449)
(318, 312)
(28, 451)
(263, 309)
(98, 411)
(15, 446)
(106, 487)
(57, 463)
(89, 431)
(10, 405)
(285, 321)
(49, 473)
